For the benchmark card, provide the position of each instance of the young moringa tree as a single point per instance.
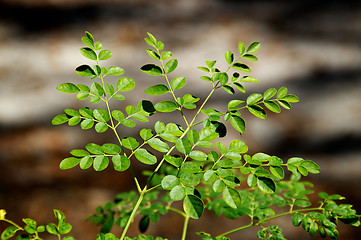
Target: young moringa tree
(190, 163)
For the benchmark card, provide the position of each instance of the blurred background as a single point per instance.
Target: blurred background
(312, 47)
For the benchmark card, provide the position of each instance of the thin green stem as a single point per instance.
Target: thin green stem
(185, 226)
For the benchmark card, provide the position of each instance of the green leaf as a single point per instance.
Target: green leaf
(145, 157)
(250, 57)
(173, 160)
(159, 127)
(229, 57)
(183, 145)
(60, 119)
(177, 193)
(125, 84)
(191, 167)
(241, 67)
(9, 232)
(232, 197)
(257, 111)
(94, 148)
(68, 88)
(86, 112)
(203, 69)
(166, 106)
(100, 163)
(233, 104)
(109, 89)
(98, 46)
(282, 92)
(170, 66)
(88, 42)
(254, 98)
(169, 182)
(158, 89)
(277, 171)
(153, 54)
(88, 53)
(193, 206)
(208, 134)
(69, 162)
(152, 69)
(266, 184)
(290, 98)
(297, 219)
(238, 146)
(105, 54)
(97, 89)
(145, 134)
(273, 106)
(238, 123)
(144, 224)
(130, 143)
(101, 114)
(114, 71)
(251, 180)
(79, 153)
(239, 87)
(101, 127)
(254, 47)
(118, 115)
(249, 79)
(166, 55)
(310, 166)
(87, 124)
(198, 155)
(85, 71)
(120, 162)
(241, 48)
(86, 162)
(178, 83)
(269, 93)
(111, 148)
(228, 89)
(158, 145)
(189, 178)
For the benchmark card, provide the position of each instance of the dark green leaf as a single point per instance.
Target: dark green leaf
(88, 53)
(266, 184)
(152, 69)
(85, 71)
(228, 89)
(153, 54)
(144, 224)
(158, 89)
(193, 206)
(241, 67)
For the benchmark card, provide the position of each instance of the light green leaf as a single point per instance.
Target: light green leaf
(169, 182)
(125, 84)
(101, 114)
(282, 92)
(100, 163)
(193, 206)
(238, 123)
(266, 184)
(277, 171)
(118, 115)
(183, 145)
(86, 162)
(208, 134)
(105, 54)
(249, 79)
(257, 111)
(170, 66)
(145, 157)
(86, 112)
(178, 83)
(177, 193)
(251, 180)
(174, 160)
(145, 134)
(101, 127)
(284, 104)
(310, 166)
(254, 47)
(232, 197)
(153, 54)
(120, 162)
(238, 146)
(166, 106)
(130, 143)
(241, 48)
(198, 155)
(250, 57)
(152, 69)
(88, 53)
(94, 148)
(109, 89)
(189, 179)
(190, 167)
(68, 88)
(158, 145)
(273, 106)
(254, 98)
(269, 93)
(96, 89)
(290, 98)
(79, 153)
(229, 57)
(166, 55)
(87, 124)
(60, 119)
(111, 148)
(233, 104)
(69, 162)
(158, 89)
(114, 71)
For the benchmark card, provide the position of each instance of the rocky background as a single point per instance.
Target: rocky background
(312, 47)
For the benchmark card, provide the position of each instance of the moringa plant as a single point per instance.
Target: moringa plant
(189, 162)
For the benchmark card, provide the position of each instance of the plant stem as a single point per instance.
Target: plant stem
(185, 226)
(135, 209)
(269, 218)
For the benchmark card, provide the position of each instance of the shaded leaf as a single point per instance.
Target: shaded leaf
(152, 69)
(193, 206)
